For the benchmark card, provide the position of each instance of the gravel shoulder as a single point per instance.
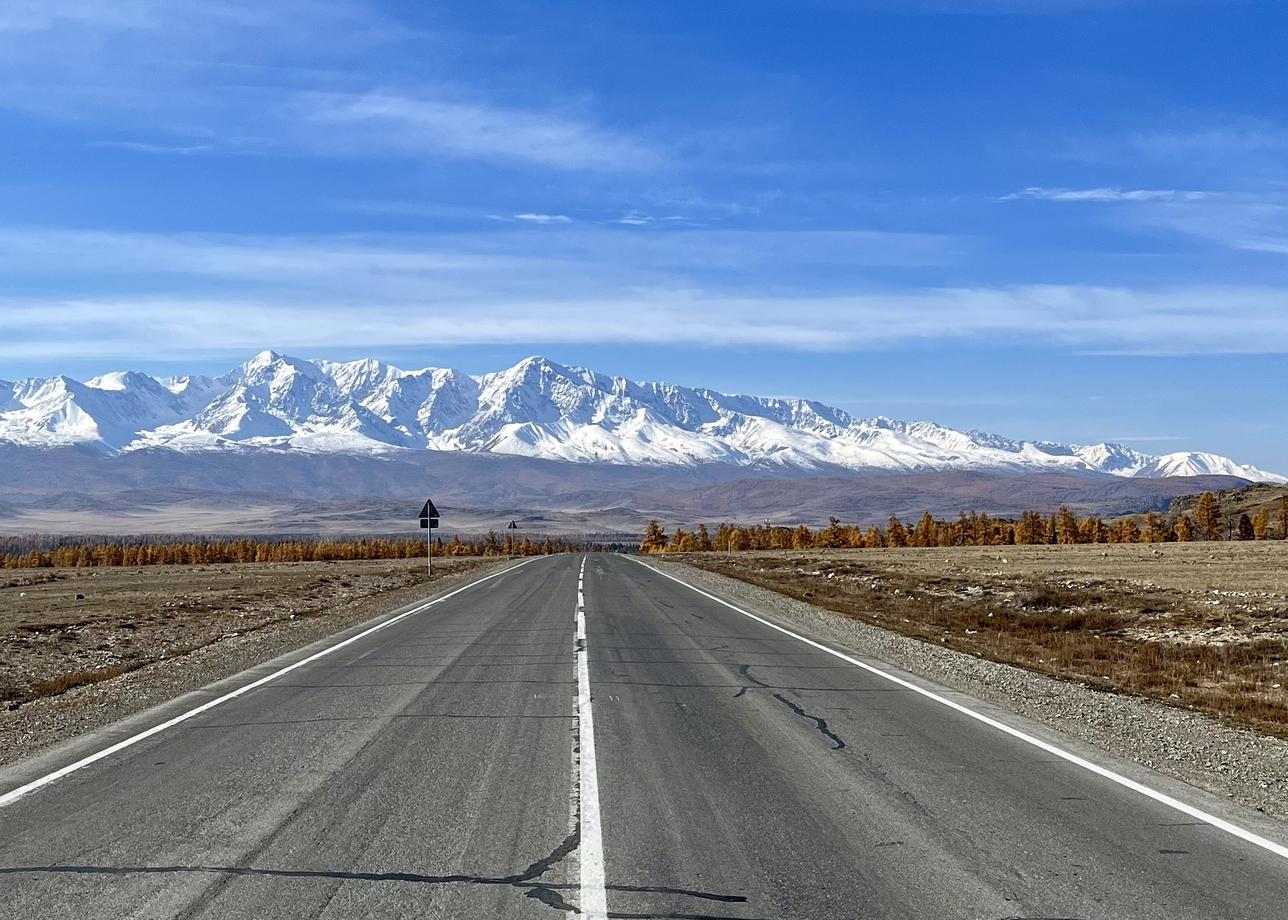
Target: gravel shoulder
(1246, 767)
(291, 606)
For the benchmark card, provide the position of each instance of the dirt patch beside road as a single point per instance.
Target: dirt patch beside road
(1201, 626)
(80, 648)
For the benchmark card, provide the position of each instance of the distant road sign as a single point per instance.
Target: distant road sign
(428, 521)
(512, 526)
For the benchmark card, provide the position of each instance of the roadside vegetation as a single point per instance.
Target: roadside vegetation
(1204, 522)
(100, 555)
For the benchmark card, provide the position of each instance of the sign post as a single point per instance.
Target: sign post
(429, 521)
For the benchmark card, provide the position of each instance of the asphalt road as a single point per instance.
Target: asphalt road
(451, 764)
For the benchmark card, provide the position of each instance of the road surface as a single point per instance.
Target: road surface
(583, 733)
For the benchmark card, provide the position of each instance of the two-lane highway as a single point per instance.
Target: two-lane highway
(584, 733)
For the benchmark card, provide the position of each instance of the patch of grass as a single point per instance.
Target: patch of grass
(63, 682)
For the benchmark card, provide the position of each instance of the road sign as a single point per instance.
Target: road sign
(512, 526)
(428, 521)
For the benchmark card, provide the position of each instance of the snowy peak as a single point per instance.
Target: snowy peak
(1197, 463)
(106, 412)
(1115, 458)
(268, 368)
(536, 408)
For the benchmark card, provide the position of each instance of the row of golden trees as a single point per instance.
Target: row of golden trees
(1032, 527)
(205, 553)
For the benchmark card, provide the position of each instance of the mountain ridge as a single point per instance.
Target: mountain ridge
(536, 408)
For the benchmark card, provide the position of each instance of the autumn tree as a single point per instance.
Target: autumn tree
(1156, 529)
(834, 536)
(1245, 530)
(1261, 524)
(1207, 515)
(926, 532)
(1092, 530)
(1185, 530)
(654, 539)
(1127, 531)
(1066, 526)
(1030, 529)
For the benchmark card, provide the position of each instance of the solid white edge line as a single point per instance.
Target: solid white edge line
(1162, 798)
(14, 795)
(594, 898)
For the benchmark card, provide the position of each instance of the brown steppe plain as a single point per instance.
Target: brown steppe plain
(82, 647)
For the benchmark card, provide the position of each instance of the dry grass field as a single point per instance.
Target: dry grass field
(1202, 625)
(62, 628)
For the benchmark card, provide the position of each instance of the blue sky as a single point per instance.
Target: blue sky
(1064, 219)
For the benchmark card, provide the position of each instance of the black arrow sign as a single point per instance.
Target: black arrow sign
(429, 511)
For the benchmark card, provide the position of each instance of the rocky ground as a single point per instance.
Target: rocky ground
(900, 606)
(81, 648)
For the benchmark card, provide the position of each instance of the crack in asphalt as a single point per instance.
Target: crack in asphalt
(546, 863)
(745, 671)
(819, 722)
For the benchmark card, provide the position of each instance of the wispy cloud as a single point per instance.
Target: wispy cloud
(1103, 194)
(29, 16)
(1216, 137)
(640, 219)
(978, 7)
(1170, 321)
(1251, 222)
(1189, 142)
(595, 260)
(205, 294)
(383, 123)
(1255, 222)
(543, 218)
(157, 149)
(245, 74)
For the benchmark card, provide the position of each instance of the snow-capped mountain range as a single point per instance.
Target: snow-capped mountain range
(536, 409)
